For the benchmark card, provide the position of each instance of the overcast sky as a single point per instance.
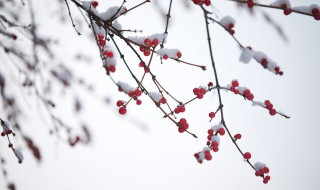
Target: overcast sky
(144, 151)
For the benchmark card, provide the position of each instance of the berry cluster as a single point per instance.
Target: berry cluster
(261, 170)
(148, 44)
(269, 106)
(200, 92)
(179, 109)
(204, 154)
(235, 88)
(182, 125)
(228, 23)
(201, 2)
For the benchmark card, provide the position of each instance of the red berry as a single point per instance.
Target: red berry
(265, 170)
(208, 156)
(122, 110)
(141, 64)
(94, 4)
(246, 92)
(176, 110)
(272, 112)
(315, 11)
(277, 69)
(3, 134)
(110, 54)
(250, 4)
(182, 120)
(210, 84)
(264, 62)
(182, 109)
(215, 148)
(119, 103)
(102, 42)
(236, 91)
(210, 132)
(181, 129)
(155, 42)
(215, 143)
(212, 115)
(163, 101)
(137, 92)
(231, 25)
(147, 42)
(165, 56)
(235, 83)
(221, 131)
(257, 173)
(267, 177)
(196, 91)
(287, 11)
(139, 102)
(203, 91)
(179, 54)
(200, 96)
(247, 155)
(197, 2)
(147, 52)
(265, 181)
(250, 97)
(207, 2)
(112, 68)
(237, 136)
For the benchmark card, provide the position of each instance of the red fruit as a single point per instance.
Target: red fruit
(210, 132)
(247, 155)
(264, 62)
(182, 120)
(181, 129)
(141, 64)
(265, 181)
(281, 73)
(141, 48)
(94, 4)
(185, 126)
(200, 96)
(163, 101)
(210, 84)
(137, 92)
(212, 115)
(100, 37)
(112, 68)
(236, 91)
(315, 11)
(272, 112)
(3, 134)
(250, 97)
(203, 91)
(265, 170)
(155, 42)
(267, 177)
(277, 69)
(197, 2)
(122, 110)
(207, 2)
(208, 156)
(231, 25)
(257, 173)
(179, 54)
(14, 37)
(110, 54)
(215, 148)
(147, 52)
(196, 91)
(176, 110)
(235, 83)
(237, 136)
(102, 42)
(221, 131)
(182, 109)
(246, 92)
(139, 102)
(287, 11)
(215, 143)
(119, 103)
(147, 42)
(165, 56)
(250, 4)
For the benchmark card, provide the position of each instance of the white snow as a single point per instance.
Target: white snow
(19, 155)
(226, 20)
(246, 55)
(125, 87)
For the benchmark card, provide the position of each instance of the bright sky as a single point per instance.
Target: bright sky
(143, 151)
